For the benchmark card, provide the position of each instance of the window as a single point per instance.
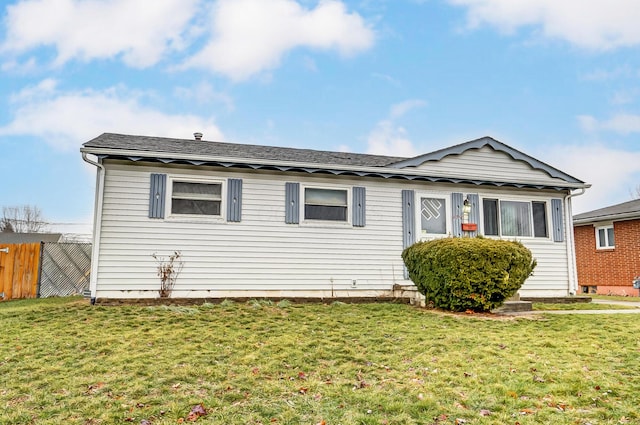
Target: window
(515, 218)
(433, 216)
(326, 204)
(196, 198)
(604, 237)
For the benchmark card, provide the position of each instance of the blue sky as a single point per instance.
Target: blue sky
(559, 80)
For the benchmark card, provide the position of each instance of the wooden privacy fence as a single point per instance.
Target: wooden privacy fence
(19, 267)
(46, 269)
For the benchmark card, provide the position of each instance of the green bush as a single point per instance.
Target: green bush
(459, 274)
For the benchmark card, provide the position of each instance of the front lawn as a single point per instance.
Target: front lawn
(580, 306)
(64, 361)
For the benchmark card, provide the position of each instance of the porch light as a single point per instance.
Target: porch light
(466, 210)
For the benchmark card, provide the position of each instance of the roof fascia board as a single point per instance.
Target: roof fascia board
(385, 172)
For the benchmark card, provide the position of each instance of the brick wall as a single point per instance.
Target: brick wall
(611, 270)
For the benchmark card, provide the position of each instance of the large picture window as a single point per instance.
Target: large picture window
(326, 204)
(196, 198)
(515, 218)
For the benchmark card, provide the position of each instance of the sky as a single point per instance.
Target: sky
(558, 80)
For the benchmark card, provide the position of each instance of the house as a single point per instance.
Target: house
(608, 248)
(264, 221)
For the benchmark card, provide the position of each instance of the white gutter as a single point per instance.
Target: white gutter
(571, 252)
(97, 225)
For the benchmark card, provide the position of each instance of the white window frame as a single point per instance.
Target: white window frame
(527, 200)
(605, 227)
(321, 222)
(196, 179)
(447, 208)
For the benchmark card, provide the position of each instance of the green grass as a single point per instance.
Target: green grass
(580, 306)
(64, 361)
(614, 297)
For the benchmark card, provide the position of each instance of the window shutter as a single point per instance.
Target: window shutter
(157, 191)
(234, 200)
(359, 206)
(474, 216)
(292, 203)
(408, 222)
(456, 211)
(557, 220)
(408, 219)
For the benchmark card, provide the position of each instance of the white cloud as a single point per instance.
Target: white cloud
(610, 74)
(251, 36)
(593, 24)
(66, 119)
(203, 93)
(400, 109)
(139, 31)
(613, 173)
(388, 138)
(622, 123)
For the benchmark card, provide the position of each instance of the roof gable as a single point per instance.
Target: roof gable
(495, 146)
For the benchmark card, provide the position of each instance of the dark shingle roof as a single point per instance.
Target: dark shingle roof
(235, 150)
(624, 211)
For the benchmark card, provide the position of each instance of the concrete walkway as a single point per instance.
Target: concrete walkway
(635, 310)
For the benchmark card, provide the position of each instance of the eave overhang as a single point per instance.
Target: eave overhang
(388, 172)
(634, 215)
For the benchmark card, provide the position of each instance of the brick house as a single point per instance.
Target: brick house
(608, 249)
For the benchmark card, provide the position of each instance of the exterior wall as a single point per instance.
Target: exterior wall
(487, 164)
(610, 270)
(262, 256)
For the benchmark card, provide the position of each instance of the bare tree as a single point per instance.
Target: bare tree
(23, 219)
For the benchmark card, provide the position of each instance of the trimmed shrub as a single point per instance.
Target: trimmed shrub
(459, 274)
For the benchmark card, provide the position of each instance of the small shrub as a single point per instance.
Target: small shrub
(168, 270)
(459, 274)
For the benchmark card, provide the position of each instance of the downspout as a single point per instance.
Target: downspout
(97, 225)
(571, 254)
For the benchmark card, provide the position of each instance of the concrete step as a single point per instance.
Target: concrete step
(514, 306)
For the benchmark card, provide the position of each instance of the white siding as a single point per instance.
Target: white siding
(488, 164)
(263, 256)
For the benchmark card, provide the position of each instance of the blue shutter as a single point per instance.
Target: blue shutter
(557, 218)
(292, 203)
(408, 222)
(359, 206)
(456, 212)
(157, 191)
(408, 219)
(234, 200)
(474, 216)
